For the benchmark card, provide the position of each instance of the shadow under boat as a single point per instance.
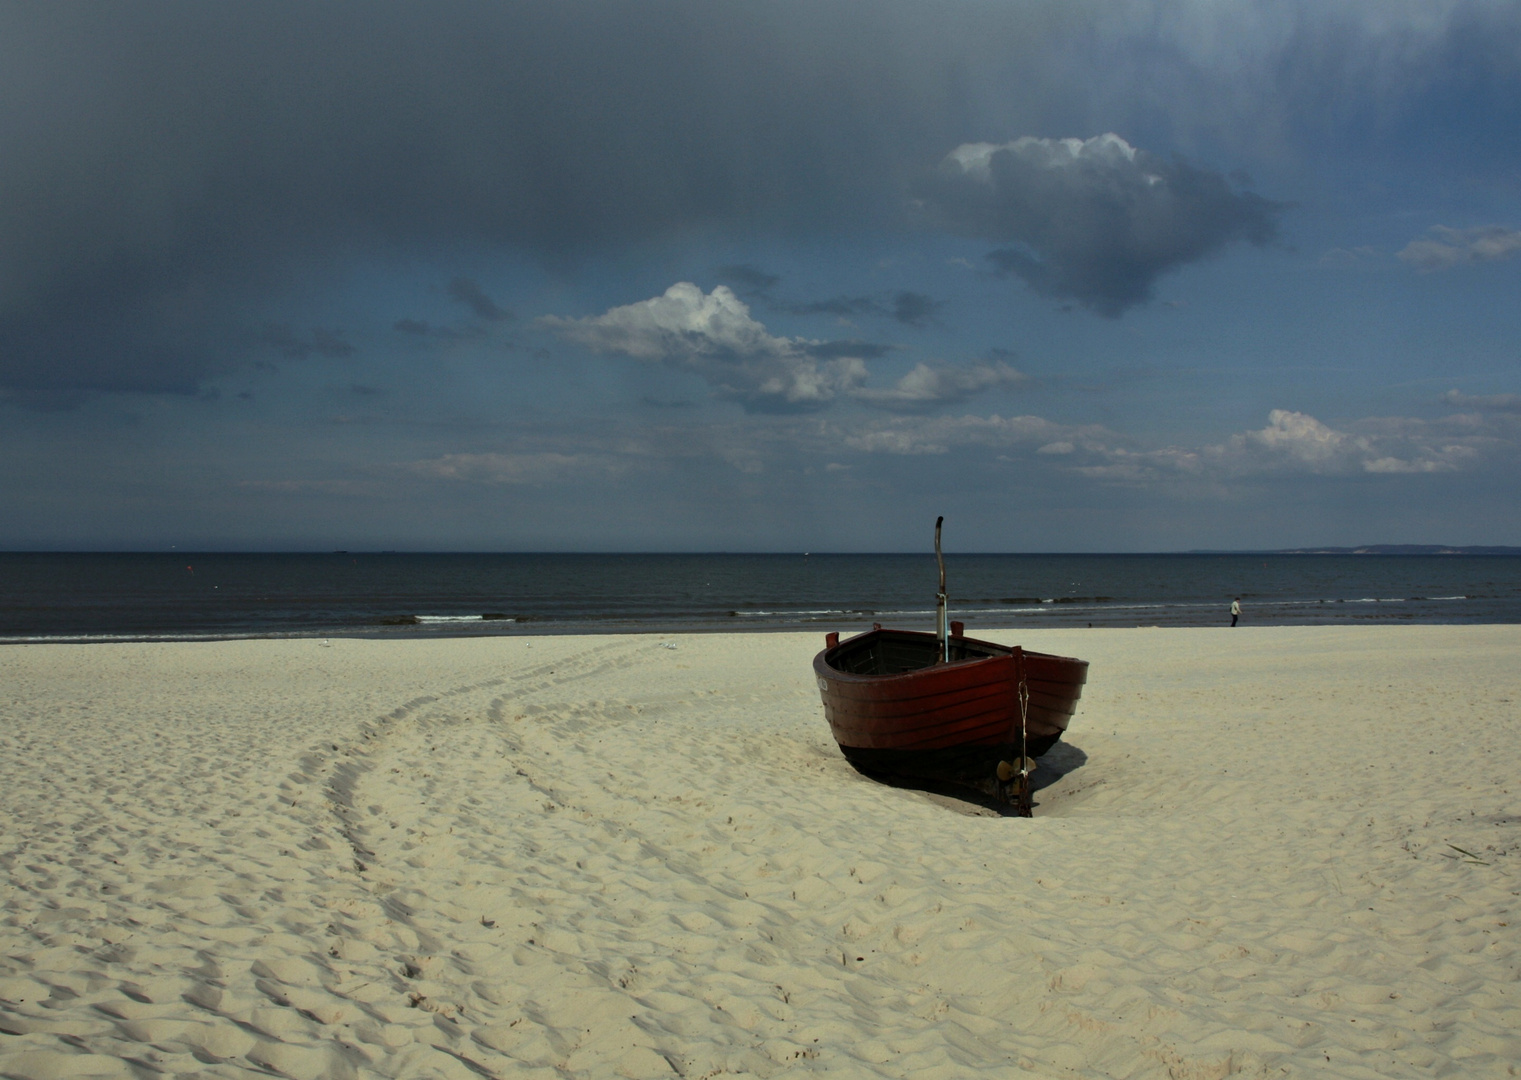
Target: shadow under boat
(1061, 760)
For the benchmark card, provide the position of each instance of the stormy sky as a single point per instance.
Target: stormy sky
(787, 276)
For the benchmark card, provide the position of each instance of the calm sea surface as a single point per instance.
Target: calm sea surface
(104, 597)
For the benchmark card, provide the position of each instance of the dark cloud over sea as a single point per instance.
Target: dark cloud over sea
(672, 272)
(170, 166)
(1095, 220)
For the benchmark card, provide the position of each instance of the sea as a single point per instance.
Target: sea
(177, 596)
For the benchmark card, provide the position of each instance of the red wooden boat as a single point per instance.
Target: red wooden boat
(944, 706)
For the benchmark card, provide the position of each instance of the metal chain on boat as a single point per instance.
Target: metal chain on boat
(1022, 804)
(1024, 712)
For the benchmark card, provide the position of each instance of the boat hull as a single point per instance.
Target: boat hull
(895, 710)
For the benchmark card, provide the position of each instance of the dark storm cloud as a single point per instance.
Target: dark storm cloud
(915, 309)
(474, 297)
(421, 328)
(170, 169)
(294, 346)
(909, 308)
(242, 150)
(842, 307)
(747, 280)
(1095, 220)
(95, 333)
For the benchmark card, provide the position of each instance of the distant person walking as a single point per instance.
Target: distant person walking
(1235, 610)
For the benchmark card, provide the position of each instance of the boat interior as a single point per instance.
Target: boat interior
(889, 653)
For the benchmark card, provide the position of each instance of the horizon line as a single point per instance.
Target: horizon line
(1308, 549)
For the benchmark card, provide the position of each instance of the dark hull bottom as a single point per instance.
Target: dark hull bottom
(973, 765)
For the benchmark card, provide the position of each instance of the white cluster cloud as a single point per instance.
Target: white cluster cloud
(1298, 438)
(1446, 248)
(1297, 442)
(714, 335)
(1292, 443)
(683, 324)
(1107, 152)
(941, 434)
(1495, 402)
(1291, 446)
(524, 468)
(934, 384)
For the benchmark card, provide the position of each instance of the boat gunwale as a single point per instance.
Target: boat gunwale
(1002, 653)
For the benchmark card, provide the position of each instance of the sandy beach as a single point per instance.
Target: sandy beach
(1260, 852)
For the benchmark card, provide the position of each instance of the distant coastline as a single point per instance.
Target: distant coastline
(1373, 549)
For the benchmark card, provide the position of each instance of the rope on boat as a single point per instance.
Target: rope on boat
(1014, 776)
(1022, 799)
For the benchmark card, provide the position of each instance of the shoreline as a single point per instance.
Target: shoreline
(512, 855)
(426, 631)
(197, 597)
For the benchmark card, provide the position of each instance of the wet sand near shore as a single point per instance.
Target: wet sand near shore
(1260, 852)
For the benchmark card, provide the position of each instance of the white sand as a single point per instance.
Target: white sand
(600, 857)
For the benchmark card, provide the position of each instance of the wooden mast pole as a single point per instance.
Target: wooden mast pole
(942, 629)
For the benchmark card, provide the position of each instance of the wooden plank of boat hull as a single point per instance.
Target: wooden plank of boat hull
(1049, 718)
(1046, 668)
(912, 726)
(854, 729)
(1001, 727)
(951, 716)
(888, 707)
(994, 731)
(877, 703)
(875, 698)
(891, 704)
(942, 708)
(929, 674)
(996, 734)
(964, 712)
(1065, 703)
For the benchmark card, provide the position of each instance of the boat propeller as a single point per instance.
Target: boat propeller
(1008, 770)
